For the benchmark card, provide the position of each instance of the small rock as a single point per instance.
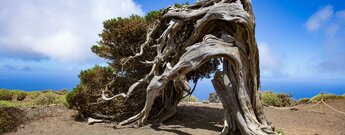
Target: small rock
(21, 126)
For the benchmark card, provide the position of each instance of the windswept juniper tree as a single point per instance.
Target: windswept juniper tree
(187, 43)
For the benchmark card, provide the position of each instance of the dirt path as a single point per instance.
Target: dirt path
(201, 119)
(310, 121)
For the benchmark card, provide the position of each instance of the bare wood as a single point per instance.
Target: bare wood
(189, 37)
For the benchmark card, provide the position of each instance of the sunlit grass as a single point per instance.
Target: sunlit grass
(18, 98)
(317, 98)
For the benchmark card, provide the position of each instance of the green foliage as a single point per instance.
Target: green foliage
(190, 98)
(280, 131)
(85, 97)
(46, 99)
(286, 99)
(15, 98)
(6, 103)
(153, 16)
(91, 80)
(276, 99)
(317, 98)
(5, 94)
(121, 38)
(20, 95)
(180, 5)
(34, 94)
(12, 95)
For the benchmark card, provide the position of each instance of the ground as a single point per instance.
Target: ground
(192, 118)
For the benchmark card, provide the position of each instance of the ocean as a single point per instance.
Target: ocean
(298, 89)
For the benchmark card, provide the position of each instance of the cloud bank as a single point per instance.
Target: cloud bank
(270, 63)
(61, 30)
(331, 23)
(319, 18)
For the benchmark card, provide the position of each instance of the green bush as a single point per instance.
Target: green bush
(286, 99)
(12, 94)
(46, 99)
(190, 98)
(20, 95)
(276, 99)
(91, 82)
(86, 96)
(34, 94)
(5, 94)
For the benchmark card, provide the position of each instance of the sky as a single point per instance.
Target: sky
(44, 44)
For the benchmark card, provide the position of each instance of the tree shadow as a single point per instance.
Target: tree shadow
(198, 116)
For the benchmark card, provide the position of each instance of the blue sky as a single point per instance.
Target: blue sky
(45, 44)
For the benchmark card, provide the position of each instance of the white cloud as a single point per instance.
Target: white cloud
(332, 24)
(60, 30)
(270, 63)
(319, 18)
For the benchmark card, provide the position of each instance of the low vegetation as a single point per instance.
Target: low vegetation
(326, 97)
(18, 98)
(302, 101)
(270, 98)
(12, 102)
(190, 98)
(280, 131)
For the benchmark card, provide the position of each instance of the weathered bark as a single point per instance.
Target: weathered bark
(239, 112)
(188, 37)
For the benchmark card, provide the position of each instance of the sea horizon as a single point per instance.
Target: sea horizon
(298, 89)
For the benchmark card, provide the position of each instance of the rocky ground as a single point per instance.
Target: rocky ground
(192, 118)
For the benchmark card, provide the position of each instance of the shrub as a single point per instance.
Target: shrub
(34, 94)
(270, 99)
(46, 99)
(91, 83)
(286, 99)
(190, 98)
(20, 95)
(276, 99)
(5, 94)
(86, 96)
(12, 94)
(280, 131)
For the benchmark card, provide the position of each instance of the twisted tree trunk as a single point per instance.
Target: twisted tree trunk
(188, 37)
